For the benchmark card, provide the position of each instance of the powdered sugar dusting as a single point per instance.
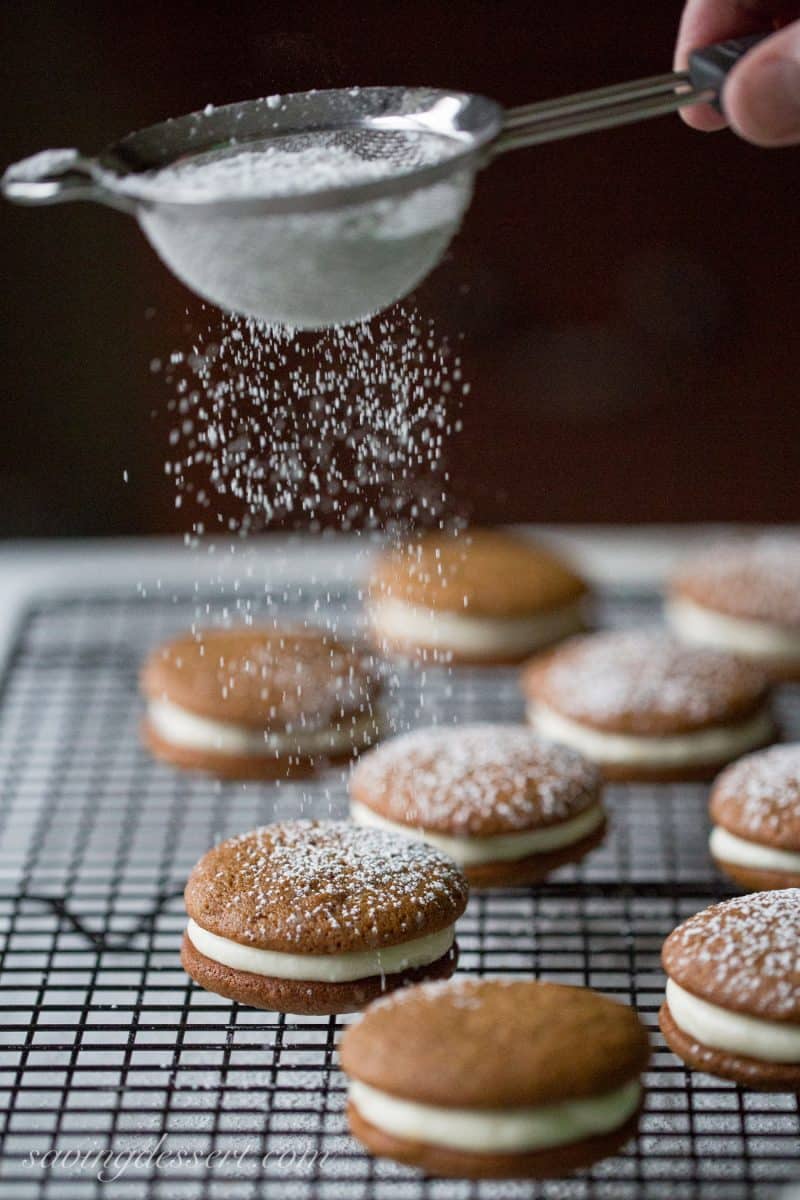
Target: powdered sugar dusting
(757, 580)
(645, 679)
(759, 797)
(324, 886)
(745, 951)
(475, 779)
(288, 166)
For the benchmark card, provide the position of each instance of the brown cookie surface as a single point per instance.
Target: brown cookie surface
(757, 580)
(494, 1043)
(758, 798)
(276, 679)
(540, 1164)
(642, 773)
(742, 955)
(475, 781)
(324, 887)
(749, 1072)
(300, 996)
(644, 683)
(754, 880)
(478, 572)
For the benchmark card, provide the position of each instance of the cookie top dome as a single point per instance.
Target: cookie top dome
(324, 887)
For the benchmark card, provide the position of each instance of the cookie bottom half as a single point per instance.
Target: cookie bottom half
(750, 1072)
(304, 997)
(539, 1164)
(536, 867)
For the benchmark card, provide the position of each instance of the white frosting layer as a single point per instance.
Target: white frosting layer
(771, 1041)
(322, 968)
(504, 1131)
(727, 847)
(754, 639)
(505, 847)
(182, 728)
(477, 636)
(718, 744)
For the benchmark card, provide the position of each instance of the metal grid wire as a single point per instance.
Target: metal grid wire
(120, 1079)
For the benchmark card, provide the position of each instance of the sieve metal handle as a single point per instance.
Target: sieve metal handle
(625, 103)
(56, 176)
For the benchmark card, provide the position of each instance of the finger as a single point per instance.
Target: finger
(762, 93)
(707, 21)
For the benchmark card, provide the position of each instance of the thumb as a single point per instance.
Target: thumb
(761, 97)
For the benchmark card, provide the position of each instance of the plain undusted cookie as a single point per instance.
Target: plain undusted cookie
(743, 597)
(259, 703)
(644, 706)
(755, 810)
(506, 806)
(494, 1078)
(732, 1006)
(480, 596)
(320, 916)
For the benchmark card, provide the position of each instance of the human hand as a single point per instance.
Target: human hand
(761, 97)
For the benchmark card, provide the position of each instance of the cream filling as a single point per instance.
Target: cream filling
(322, 968)
(755, 639)
(504, 847)
(182, 728)
(479, 636)
(771, 1041)
(503, 1131)
(718, 744)
(727, 847)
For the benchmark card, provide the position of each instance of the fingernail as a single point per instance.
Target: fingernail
(774, 105)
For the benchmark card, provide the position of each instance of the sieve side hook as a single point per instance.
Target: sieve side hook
(56, 176)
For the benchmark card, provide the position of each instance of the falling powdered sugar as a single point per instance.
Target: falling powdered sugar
(346, 427)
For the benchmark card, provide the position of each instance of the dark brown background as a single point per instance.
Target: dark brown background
(629, 300)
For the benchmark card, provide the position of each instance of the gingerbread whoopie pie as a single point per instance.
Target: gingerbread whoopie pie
(495, 1078)
(755, 810)
(743, 597)
(644, 706)
(320, 916)
(506, 806)
(479, 596)
(732, 1006)
(259, 703)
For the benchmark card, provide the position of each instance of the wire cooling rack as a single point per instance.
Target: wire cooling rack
(120, 1079)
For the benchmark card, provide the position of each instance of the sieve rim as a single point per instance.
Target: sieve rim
(475, 123)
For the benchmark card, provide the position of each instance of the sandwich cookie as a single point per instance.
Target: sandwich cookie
(755, 810)
(320, 916)
(495, 1078)
(481, 596)
(644, 706)
(732, 1006)
(745, 598)
(506, 806)
(259, 703)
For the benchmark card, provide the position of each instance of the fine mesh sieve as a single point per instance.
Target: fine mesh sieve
(321, 208)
